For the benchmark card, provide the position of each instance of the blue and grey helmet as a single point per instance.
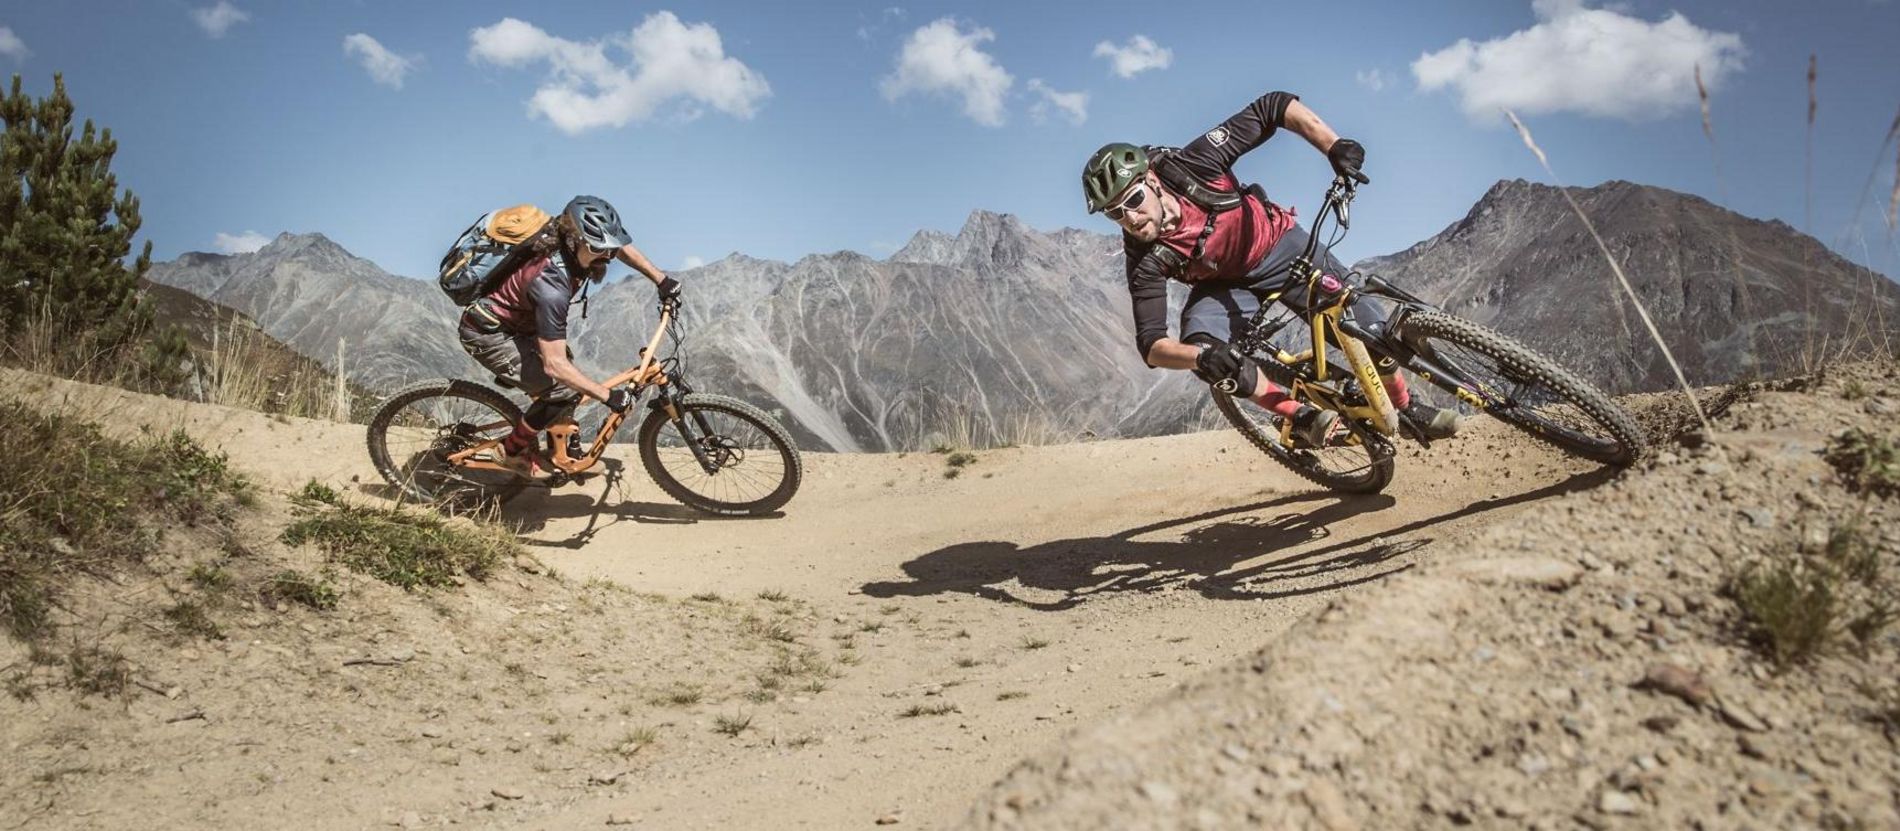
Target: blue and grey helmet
(596, 222)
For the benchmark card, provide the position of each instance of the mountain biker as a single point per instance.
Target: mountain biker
(1183, 223)
(519, 330)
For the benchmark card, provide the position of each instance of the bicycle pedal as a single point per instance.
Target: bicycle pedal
(1413, 430)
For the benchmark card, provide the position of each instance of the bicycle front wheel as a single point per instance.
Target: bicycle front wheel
(1527, 390)
(745, 464)
(412, 436)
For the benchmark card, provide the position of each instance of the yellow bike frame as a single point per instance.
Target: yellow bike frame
(1378, 409)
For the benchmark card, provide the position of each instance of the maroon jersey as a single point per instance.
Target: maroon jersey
(1241, 237)
(1222, 256)
(534, 300)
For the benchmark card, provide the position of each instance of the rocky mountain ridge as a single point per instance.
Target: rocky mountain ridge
(1001, 334)
(1735, 297)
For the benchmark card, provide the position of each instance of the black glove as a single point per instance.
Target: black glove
(1223, 367)
(1348, 157)
(669, 290)
(619, 400)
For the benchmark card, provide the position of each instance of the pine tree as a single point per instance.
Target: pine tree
(65, 229)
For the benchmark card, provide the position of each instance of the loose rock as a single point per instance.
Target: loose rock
(1678, 681)
(1616, 802)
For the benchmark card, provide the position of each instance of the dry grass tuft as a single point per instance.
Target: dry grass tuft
(83, 503)
(405, 548)
(732, 725)
(1866, 462)
(1799, 602)
(935, 708)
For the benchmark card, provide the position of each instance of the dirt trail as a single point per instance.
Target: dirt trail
(1042, 589)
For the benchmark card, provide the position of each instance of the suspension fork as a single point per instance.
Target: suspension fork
(1394, 347)
(1351, 342)
(668, 402)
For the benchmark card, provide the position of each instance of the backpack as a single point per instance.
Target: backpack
(1213, 201)
(472, 269)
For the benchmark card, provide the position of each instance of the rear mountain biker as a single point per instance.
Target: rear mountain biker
(519, 330)
(1184, 216)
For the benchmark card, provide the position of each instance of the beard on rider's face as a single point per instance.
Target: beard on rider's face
(1145, 222)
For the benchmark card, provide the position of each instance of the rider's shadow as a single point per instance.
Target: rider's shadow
(1062, 574)
(601, 500)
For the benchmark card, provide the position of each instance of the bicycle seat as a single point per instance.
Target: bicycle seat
(506, 383)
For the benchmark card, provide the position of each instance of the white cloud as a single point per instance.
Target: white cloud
(1073, 105)
(1372, 79)
(385, 67)
(692, 261)
(586, 88)
(1598, 62)
(869, 31)
(11, 46)
(942, 58)
(244, 243)
(1139, 55)
(218, 19)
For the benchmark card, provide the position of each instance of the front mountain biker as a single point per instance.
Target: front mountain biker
(519, 330)
(1231, 253)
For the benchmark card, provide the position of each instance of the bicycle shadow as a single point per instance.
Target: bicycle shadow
(1063, 574)
(604, 503)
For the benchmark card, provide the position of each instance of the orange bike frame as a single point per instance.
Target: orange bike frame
(647, 374)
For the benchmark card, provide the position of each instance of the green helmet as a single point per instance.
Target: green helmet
(1110, 171)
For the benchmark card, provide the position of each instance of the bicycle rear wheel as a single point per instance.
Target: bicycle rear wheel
(1527, 390)
(751, 465)
(1354, 459)
(418, 428)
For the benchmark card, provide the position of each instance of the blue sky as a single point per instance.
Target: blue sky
(786, 129)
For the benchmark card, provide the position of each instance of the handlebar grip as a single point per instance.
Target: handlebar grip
(1356, 176)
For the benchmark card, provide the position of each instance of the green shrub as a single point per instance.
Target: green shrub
(315, 491)
(1790, 608)
(401, 547)
(297, 587)
(1866, 461)
(82, 502)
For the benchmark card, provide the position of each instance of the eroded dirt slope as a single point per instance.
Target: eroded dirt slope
(1582, 663)
(965, 623)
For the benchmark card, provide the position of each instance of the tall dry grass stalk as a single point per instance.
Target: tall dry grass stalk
(1873, 174)
(340, 396)
(1744, 297)
(1813, 108)
(45, 345)
(1642, 311)
(959, 425)
(1708, 129)
(1893, 202)
(240, 371)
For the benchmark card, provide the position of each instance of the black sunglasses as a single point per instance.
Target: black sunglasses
(1136, 195)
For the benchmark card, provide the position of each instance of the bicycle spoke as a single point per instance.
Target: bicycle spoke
(746, 462)
(423, 434)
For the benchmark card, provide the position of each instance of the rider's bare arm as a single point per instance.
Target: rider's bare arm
(554, 359)
(1307, 125)
(1168, 353)
(632, 257)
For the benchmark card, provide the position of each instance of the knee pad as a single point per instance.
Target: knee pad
(545, 411)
